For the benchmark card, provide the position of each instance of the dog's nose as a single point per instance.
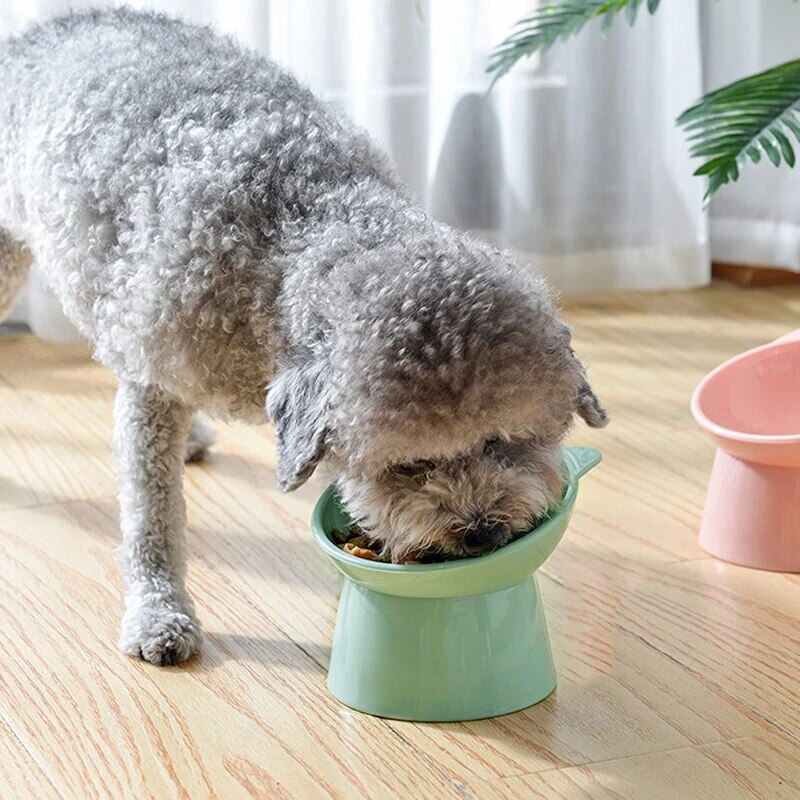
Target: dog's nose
(484, 537)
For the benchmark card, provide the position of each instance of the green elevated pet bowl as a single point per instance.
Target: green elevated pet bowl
(444, 642)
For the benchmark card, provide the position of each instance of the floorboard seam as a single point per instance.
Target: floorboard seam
(755, 712)
(7, 722)
(61, 503)
(462, 790)
(602, 761)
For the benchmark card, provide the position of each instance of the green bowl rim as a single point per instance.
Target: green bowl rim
(329, 495)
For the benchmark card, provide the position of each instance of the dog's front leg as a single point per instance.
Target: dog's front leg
(150, 437)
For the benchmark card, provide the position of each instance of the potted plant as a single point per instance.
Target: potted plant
(756, 116)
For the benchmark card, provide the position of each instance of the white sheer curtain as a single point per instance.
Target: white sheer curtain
(573, 160)
(757, 220)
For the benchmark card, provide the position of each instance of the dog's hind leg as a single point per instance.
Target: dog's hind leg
(15, 259)
(151, 428)
(200, 438)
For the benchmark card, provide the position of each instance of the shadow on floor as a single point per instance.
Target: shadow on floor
(280, 652)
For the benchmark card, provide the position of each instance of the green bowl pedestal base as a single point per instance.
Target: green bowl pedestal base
(441, 659)
(463, 639)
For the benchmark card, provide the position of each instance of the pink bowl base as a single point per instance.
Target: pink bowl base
(752, 514)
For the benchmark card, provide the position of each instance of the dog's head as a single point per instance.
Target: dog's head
(442, 401)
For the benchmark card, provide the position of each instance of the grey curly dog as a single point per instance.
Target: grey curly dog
(226, 241)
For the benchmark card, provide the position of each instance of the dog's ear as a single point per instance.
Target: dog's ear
(589, 408)
(586, 403)
(297, 405)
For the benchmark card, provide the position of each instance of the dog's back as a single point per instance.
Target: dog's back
(154, 168)
(86, 85)
(108, 106)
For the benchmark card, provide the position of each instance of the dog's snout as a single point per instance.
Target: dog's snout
(484, 537)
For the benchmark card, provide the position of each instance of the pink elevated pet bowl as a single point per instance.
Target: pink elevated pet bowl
(750, 406)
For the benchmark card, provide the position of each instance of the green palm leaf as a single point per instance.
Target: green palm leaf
(739, 122)
(557, 20)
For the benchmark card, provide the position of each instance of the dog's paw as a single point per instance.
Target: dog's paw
(200, 438)
(162, 634)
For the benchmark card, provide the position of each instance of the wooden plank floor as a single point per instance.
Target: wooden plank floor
(679, 675)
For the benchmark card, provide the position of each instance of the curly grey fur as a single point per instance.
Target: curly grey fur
(219, 234)
(151, 429)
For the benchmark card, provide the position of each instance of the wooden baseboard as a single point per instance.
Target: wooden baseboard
(753, 276)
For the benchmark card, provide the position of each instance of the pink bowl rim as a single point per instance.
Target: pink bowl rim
(738, 436)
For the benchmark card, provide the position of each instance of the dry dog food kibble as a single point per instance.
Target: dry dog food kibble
(359, 552)
(355, 543)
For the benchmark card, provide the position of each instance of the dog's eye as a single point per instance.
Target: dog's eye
(492, 446)
(413, 469)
